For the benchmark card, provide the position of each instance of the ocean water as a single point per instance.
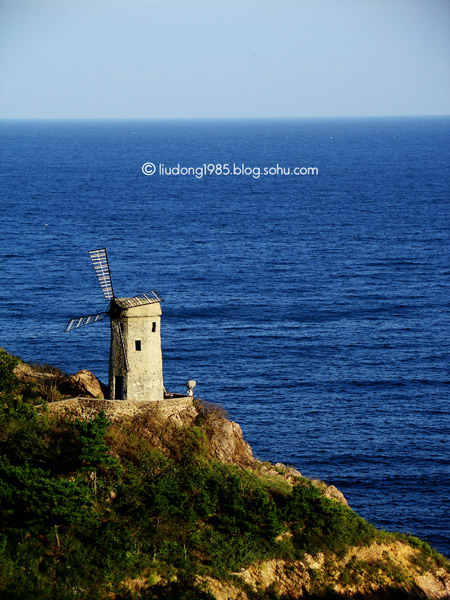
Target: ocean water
(314, 308)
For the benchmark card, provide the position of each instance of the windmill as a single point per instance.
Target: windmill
(135, 357)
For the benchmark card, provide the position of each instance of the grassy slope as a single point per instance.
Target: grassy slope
(140, 509)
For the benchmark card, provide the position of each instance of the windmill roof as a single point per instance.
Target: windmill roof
(140, 300)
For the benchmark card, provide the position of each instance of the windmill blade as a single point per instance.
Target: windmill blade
(147, 298)
(99, 259)
(124, 352)
(81, 321)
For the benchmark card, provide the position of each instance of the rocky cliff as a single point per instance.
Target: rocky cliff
(382, 566)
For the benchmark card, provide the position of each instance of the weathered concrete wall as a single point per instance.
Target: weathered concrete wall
(141, 333)
(88, 408)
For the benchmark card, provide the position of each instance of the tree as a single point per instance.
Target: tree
(95, 453)
(9, 383)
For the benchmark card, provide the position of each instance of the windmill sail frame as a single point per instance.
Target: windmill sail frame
(139, 300)
(100, 262)
(77, 322)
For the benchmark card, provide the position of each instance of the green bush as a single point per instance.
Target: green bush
(320, 523)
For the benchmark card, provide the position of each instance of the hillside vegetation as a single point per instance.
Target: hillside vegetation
(142, 509)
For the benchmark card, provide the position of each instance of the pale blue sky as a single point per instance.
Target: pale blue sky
(214, 58)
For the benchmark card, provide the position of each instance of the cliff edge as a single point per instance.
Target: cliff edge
(110, 499)
(385, 568)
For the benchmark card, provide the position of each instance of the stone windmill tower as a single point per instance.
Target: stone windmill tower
(135, 357)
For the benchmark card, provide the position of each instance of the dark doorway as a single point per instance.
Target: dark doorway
(118, 387)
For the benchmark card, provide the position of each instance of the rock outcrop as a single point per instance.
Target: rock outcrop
(378, 571)
(53, 385)
(84, 383)
(223, 437)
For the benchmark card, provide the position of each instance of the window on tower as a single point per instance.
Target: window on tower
(154, 326)
(138, 345)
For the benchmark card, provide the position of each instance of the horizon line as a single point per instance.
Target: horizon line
(259, 118)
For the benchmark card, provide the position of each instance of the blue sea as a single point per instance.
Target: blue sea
(314, 307)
